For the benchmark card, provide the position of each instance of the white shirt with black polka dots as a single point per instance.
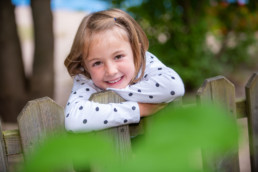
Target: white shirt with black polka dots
(160, 84)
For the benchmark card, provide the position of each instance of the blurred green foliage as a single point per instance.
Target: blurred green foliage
(171, 142)
(199, 39)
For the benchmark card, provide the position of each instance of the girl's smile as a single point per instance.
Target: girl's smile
(110, 61)
(116, 81)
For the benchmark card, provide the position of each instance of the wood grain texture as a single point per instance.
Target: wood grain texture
(219, 90)
(39, 118)
(3, 157)
(120, 135)
(252, 111)
(13, 142)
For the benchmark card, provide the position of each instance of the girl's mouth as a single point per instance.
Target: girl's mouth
(115, 81)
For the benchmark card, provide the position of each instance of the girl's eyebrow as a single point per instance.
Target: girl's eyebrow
(93, 59)
(117, 52)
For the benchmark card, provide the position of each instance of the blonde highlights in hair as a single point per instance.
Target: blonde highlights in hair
(101, 21)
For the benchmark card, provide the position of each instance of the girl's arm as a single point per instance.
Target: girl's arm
(84, 115)
(88, 116)
(147, 109)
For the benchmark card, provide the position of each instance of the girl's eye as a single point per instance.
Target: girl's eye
(96, 64)
(118, 57)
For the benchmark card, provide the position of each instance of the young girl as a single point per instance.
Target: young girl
(109, 52)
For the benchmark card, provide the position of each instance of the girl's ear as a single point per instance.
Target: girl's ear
(82, 69)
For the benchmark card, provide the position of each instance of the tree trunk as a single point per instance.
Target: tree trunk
(42, 81)
(253, 5)
(15, 89)
(12, 84)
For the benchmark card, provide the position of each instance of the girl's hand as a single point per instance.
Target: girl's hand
(147, 109)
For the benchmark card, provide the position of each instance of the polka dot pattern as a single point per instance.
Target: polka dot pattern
(84, 112)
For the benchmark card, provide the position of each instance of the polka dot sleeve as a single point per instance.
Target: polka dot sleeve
(84, 115)
(160, 84)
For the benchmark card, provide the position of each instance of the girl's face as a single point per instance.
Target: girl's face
(110, 61)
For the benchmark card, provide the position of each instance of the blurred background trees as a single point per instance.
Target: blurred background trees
(16, 88)
(198, 39)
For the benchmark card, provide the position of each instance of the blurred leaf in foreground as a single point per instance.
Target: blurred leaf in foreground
(170, 143)
(175, 135)
(80, 150)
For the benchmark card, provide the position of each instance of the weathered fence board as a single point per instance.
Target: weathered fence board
(38, 118)
(252, 112)
(3, 157)
(120, 135)
(219, 90)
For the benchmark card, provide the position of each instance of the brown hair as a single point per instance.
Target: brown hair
(101, 21)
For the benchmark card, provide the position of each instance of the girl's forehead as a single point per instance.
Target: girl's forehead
(114, 31)
(104, 36)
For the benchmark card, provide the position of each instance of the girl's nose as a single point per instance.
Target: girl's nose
(111, 69)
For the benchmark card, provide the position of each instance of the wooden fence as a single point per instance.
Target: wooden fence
(42, 116)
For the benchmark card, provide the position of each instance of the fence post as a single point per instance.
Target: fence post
(120, 135)
(37, 119)
(219, 90)
(3, 157)
(252, 113)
